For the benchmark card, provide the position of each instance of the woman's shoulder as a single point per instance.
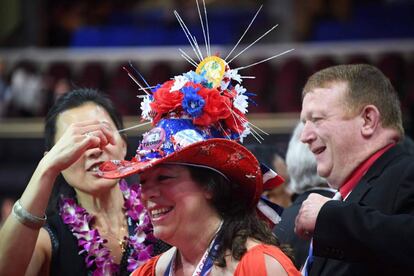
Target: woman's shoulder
(148, 268)
(262, 258)
(156, 265)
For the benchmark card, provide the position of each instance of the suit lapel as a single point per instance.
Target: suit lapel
(376, 169)
(359, 191)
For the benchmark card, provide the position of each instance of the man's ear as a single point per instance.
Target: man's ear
(371, 119)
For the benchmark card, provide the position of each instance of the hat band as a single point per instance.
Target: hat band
(199, 166)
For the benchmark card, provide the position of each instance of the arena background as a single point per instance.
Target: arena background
(50, 47)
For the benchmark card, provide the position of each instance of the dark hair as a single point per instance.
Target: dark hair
(75, 99)
(240, 221)
(70, 100)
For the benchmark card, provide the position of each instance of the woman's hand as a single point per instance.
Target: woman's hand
(78, 138)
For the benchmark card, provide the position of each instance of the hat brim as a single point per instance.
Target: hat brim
(233, 160)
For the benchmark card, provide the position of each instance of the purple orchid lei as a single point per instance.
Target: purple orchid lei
(93, 245)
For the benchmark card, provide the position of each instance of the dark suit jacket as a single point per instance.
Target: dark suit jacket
(284, 230)
(372, 231)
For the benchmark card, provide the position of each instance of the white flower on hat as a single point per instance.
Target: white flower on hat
(228, 76)
(179, 82)
(240, 102)
(146, 108)
(234, 75)
(246, 132)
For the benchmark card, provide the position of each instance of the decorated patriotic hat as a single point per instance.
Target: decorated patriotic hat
(199, 119)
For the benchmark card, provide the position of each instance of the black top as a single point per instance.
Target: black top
(65, 250)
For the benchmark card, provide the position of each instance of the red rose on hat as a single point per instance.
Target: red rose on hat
(165, 100)
(216, 107)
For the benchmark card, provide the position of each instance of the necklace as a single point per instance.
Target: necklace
(122, 242)
(98, 257)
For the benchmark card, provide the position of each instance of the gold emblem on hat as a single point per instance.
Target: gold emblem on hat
(212, 68)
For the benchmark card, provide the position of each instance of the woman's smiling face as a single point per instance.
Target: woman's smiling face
(174, 201)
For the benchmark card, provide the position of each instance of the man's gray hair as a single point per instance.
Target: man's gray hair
(301, 164)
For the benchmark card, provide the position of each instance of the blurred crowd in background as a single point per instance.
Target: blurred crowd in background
(77, 23)
(28, 88)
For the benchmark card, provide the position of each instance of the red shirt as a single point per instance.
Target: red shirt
(252, 262)
(359, 172)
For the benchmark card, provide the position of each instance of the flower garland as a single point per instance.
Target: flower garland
(97, 256)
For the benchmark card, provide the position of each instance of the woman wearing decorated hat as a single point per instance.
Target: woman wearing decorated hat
(98, 227)
(200, 186)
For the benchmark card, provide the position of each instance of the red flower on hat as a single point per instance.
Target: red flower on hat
(217, 107)
(166, 101)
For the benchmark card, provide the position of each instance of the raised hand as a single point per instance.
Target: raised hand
(78, 138)
(306, 219)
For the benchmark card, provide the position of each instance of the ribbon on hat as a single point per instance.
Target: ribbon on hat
(268, 210)
(271, 179)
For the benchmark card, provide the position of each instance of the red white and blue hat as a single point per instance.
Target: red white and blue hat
(196, 122)
(198, 119)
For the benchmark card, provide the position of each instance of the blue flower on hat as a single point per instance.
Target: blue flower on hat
(155, 88)
(192, 102)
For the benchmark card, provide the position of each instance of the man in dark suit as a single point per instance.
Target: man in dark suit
(353, 123)
(304, 180)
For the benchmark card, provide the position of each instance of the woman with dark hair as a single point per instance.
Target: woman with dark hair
(212, 225)
(94, 226)
(201, 188)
